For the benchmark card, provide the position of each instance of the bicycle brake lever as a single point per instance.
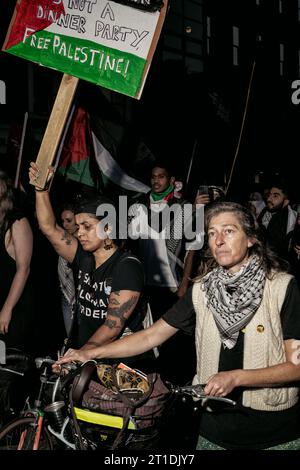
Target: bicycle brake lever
(6, 369)
(194, 390)
(198, 392)
(224, 399)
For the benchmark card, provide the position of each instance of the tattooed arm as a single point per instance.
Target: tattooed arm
(120, 307)
(64, 244)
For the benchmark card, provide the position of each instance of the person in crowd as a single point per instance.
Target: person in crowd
(161, 250)
(278, 219)
(294, 254)
(205, 195)
(245, 310)
(158, 222)
(110, 281)
(16, 290)
(65, 272)
(256, 202)
(209, 194)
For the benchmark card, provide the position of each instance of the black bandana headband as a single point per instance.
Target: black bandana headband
(90, 206)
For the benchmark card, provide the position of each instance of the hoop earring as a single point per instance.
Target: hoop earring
(108, 244)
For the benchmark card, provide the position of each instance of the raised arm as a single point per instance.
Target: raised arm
(121, 305)
(131, 345)
(20, 249)
(64, 243)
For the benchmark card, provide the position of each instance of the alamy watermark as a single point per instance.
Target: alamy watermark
(2, 352)
(296, 94)
(295, 359)
(175, 222)
(2, 92)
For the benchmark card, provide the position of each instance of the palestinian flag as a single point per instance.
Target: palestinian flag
(112, 172)
(107, 43)
(81, 148)
(75, 157)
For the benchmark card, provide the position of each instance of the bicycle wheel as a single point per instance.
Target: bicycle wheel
(10, 435)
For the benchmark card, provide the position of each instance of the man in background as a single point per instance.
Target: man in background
(278, 219)
(158, 224)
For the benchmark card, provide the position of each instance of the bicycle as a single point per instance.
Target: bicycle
(59, 424)
(16, 382)
(32, 431)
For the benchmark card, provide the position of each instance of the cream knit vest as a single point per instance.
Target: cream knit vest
(263, 344)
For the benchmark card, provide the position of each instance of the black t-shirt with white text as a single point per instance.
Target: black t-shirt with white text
(122, 271)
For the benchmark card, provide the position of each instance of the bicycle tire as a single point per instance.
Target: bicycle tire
(11, 433)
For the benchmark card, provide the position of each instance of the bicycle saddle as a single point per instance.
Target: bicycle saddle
(13, 354)
(82, 379)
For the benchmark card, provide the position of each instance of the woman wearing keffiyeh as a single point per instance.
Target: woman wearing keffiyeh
(246, 308)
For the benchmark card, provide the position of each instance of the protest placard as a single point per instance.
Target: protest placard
(109, 43)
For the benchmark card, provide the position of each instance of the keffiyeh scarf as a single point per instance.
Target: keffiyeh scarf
(66, 281)
(234, 298)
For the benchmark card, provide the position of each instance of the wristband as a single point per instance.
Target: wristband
(41, 190)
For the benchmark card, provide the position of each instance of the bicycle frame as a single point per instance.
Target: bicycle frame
(35, 427)
(37, 434)
(40, 415)
(32, 424)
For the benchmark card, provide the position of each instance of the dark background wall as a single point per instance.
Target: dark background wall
(194, 98)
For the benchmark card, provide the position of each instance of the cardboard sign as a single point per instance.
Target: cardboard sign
(104, 42)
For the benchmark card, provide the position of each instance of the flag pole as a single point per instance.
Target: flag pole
(191, 162)
(61, 145)
(21, 150)
(62, 141)
(242, 128)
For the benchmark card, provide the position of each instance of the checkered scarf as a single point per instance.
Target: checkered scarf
(266, 218)
(66, 280)
(234, 298)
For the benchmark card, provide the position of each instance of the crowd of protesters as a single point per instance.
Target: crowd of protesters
(233, 298)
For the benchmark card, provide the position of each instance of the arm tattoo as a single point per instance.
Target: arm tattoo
(111, 324)
(67, 237)
(119, 311)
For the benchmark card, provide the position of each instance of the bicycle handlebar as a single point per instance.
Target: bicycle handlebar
(39, 361)
(197, 391)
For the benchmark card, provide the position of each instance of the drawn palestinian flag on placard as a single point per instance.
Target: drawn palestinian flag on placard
(101, 41)
(29, 17)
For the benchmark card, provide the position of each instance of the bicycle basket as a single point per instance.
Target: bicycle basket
(128, 395)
